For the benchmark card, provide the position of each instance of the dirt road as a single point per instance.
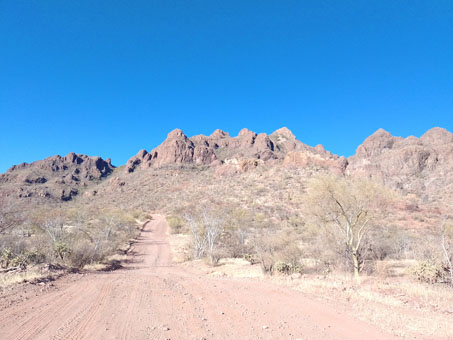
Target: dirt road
(151, 299)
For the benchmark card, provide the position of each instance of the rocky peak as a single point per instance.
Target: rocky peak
(56, 177)
(413, 165)
(246, 133)
(177, 149)
(284, 131)
(320, 148)
(437, 136)
(376, 144)
(176, 134)
(218, 134)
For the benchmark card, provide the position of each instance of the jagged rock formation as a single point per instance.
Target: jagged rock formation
(419, 166)
(176, 149)
(55, 177)
(423, 166)
(234, 154)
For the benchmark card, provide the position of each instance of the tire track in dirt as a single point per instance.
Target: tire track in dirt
(89, 318)
(40, 320)
(132, 301)
(45, 300)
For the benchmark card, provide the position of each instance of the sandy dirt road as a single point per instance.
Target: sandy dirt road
(152, 299)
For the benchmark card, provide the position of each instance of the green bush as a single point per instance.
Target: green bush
(176, 224)
(427, 271)
(6, 257)
(252, 258)
(287, 268)
(61, 249)
(23, 259)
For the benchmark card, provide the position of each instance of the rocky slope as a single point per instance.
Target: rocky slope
(235, 154)
(421, 166)
(55, 177)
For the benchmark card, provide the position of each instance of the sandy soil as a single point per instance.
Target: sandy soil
(153, 299)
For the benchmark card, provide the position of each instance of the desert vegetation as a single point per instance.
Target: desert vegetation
(63, 237)
(299, 222)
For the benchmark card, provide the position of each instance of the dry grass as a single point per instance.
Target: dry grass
(400, 305)
(404, 307)
(29, 275)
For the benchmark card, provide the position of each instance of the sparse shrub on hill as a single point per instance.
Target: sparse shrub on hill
(206, 228)
(278, 250)
(67, 237)
(446, 231)
(176, 224)
(10, 216)
(428, 271)
(347, 209)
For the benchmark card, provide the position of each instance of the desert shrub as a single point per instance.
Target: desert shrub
(252, 258)
(136, 214)
(61, 249)
(10, 259)
(83, 253)
(176, 224)
(6, 257)
(288, 268)
(267, 262)
(277, 246)
(24, 259)
(428, 271)
(146, 216)
(234, 243)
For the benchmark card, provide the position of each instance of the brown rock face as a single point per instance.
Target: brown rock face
(321, 160)
(423, 166)
(55, 177)
(178, 149)
(236, 154)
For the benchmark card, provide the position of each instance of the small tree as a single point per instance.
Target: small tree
(447, 244)
(346, 208)
(198, 234)
(206, 229)
(9, 216)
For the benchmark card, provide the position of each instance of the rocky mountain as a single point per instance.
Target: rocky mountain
(55, 177)
(233, 154)
(421, 166)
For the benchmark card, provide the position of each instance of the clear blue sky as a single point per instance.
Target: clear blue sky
(111, 77)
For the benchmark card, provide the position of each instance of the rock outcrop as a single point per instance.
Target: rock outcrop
(416, 166)
(177, 149)
(423, 166)
(55, 177)
(219, 149)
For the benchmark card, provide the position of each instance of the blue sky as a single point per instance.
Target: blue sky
(111, 77)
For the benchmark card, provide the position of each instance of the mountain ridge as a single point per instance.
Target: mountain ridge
(422, 166)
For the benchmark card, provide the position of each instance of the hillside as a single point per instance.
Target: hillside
(422, 167)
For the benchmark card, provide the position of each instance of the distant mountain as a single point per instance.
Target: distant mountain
(419, 166)
(55, 177)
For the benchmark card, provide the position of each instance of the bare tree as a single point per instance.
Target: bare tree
(213, 227)
(447, 244)
(206, 229)
(199, 237)
(347, 208)
(9, 216)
